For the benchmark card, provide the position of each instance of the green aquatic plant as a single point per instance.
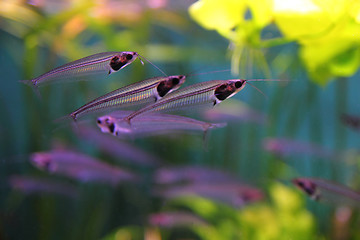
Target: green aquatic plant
(326, 31)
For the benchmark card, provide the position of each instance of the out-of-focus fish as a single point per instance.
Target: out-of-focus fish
(285, 147)
(204, 94)
(234, 194)
(122, 151)
(234, 111)
(323, 190)
(149, 90)
(30, 185)
(351, 121)
(80, 166)
(106, 62)
(175, 219)
(198, 174)
(152, 124)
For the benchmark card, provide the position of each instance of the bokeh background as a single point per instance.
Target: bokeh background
(296, 130)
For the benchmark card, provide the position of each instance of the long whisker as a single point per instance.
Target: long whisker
(203, 73)
(267, 98)
(142, 57)
(267, 80)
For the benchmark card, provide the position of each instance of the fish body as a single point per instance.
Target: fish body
(323, 190)
(151, 124)
(106, 62)
(149, 90)
(205, 93)
(79, 166)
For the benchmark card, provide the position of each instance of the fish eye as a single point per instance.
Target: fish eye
(175, 81)
(238, 84)
(112, 127)
(129, 56)
(98, 121)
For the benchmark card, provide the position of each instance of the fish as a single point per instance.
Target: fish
(351, 121)
(152, 124)
(175, 218)
(232, 193)
(106, 62)
(149, 90)
(32, 185)
(205, 93)
(286, 147)
(198, 174)
(327, 191)
(80, 167)
(121, 151)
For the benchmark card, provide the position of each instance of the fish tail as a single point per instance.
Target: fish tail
(64, 119)
(33, 85)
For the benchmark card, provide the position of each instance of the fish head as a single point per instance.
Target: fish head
(307, 186)
(106, 124)
(229, 88)
(43, 161)
(121, 60)
(169, 84)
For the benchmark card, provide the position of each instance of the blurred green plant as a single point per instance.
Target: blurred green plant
(327, 31)
(283, 217)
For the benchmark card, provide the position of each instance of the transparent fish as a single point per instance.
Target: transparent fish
(323, 190)
(198, 174)
(106, 62)
(234, 194)
(80, 166)
(149, 90)
(286, 147)
(32, 185)
(152, 124)
(206, 93)
(174, 219)
(122, 151)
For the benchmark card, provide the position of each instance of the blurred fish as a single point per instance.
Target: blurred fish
(201, 94)
(235, 111)
(120, 150)
(351, 120)
(152, 124)
(198, 174)
(30, 185)
(80, 166)
(149, 90)
(234, 194)
(106, 62)
(175, 219)
(285, 147)
(323, 190)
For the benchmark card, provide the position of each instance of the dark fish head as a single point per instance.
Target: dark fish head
(307, 186)
(122, 59)
(106, 124)
(170, 84)
(229, 89)
(43, 161)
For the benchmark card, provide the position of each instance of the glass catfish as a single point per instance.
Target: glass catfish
(152, 89)
(106, 62)
(205, 93)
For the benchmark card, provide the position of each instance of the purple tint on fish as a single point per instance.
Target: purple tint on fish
(324, 190)
(33, 185)
(122, 151)
(152, 124)
(351, 121)
(234, 194)
(80, 167)
(286, 147)
(175, 219)
(235, 111)
(176, 174)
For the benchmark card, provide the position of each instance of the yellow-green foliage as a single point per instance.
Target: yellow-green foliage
(327, 31)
